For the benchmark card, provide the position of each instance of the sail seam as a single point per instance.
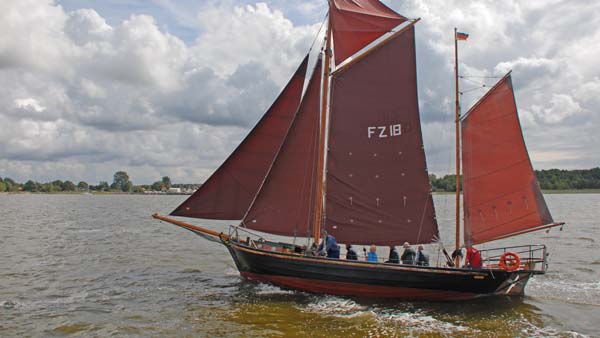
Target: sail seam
(498, 170)
(503, 224)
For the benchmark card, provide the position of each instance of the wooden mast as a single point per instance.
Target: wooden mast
(322, 134)
(457, 259)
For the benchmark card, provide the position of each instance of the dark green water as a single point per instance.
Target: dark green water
(98, 266)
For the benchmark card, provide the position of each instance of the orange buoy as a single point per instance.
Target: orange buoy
(510, 261)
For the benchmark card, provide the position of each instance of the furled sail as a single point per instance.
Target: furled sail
(227, 194)
(285, 203)
(501, 193)
(357, 23)
(378, 190)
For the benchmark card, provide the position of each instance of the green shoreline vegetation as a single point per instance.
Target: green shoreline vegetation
(552, 181)
(121, 185)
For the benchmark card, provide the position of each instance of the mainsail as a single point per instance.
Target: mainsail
(285, 203)
(357, 23)
(227, 194)
(501, 193)
(378, 190)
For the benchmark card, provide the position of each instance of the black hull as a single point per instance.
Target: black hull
(358, 278)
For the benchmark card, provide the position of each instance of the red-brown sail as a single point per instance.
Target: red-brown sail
(357, 23)
(285, 204)
(378, 190)
(227, 194)
(501, 193)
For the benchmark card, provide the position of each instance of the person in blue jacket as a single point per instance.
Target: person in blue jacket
(372, 256)
(328, 246)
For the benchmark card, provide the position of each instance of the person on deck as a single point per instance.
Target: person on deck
(350, 253)
(372, 256)
(473, 258)
(394, 257)
(422, 258)
(328, 246)
(409, 254)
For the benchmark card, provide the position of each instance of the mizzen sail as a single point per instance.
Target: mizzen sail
(501, 194)
(285, 203)
(357, 23)
(227, 194)
(378, 190)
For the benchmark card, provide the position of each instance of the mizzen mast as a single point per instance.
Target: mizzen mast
(457, 36)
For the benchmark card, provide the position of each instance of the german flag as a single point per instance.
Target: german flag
(461, 36)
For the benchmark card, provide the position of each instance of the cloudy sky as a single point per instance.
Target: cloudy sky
(165, 87)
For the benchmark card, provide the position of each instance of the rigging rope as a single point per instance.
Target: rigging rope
(472, 89)
(318, 32)
(473, 81)
(480, 77)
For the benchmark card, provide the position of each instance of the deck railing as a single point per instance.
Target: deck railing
(533, 257)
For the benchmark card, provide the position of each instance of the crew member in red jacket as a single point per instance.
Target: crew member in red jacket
(473, 258)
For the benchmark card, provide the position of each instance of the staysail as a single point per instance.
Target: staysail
(501, 193)
(227, 194)
(378, 190)
(285, 203)
(357, 23)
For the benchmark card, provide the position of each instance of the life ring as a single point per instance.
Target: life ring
(510, 261)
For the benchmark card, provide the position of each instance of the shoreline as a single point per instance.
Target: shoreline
(550, 192)
(92, 193)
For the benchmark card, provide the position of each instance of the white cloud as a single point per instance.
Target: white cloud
(560, 107)
(29, 104)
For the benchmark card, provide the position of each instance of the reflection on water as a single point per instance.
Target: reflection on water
(100, 266)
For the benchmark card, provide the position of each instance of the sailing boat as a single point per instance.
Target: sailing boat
(347, 156)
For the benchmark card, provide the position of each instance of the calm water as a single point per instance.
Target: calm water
(85, 265)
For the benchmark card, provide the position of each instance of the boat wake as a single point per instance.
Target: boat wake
(267, 289)
(422, 323)
(335, 306)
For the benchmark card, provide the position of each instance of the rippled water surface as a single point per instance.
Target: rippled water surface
(98, 265)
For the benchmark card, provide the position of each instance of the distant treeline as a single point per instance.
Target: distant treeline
(551, 179)
(121, 183)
